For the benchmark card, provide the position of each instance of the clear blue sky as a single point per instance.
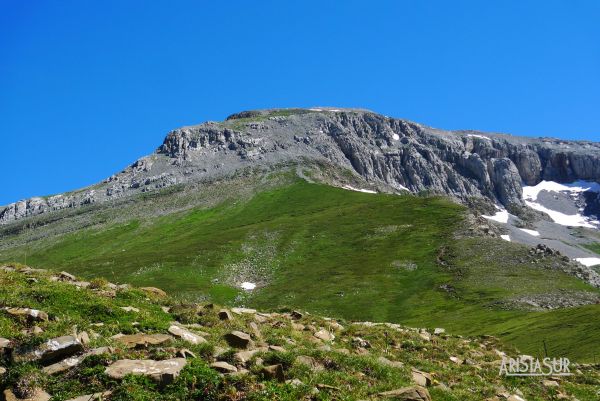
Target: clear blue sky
(87, 87)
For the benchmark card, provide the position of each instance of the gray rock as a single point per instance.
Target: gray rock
(387, 153)
(238, 339)
(324, 335)
(223, 367)
(413, 393)
(273, 372)
(163, 372)
(30, 314)
(72, 362)
(92, 397)
(142, 340)
(186, 335)
(51, 351)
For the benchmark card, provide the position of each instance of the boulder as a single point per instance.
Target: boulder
(223, 367)
(30, 314)
(163, 372)
(242, 357)
(240, 311)
(142, 340)
(5, 346)
(186, 335)
(130, 309)
(51, 351)
(412, 393)
(550, 383)
(2, 370)
(393, 364)
(66, 276)
(92, 397)
(324, 335)
(274, 372)
(71, 362)
(224, 314)
(154, 291)
(38, 395)
(238, 339)
(310, 362)
(421, 378)
(185, 353)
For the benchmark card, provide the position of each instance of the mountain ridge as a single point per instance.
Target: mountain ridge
(392, 155)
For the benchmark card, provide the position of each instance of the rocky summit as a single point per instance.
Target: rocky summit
(390, 154)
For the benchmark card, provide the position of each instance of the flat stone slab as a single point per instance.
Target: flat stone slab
(32, 314)
(69, 363)
(186, 335)
(413, 393)
(163, 372)
(238, 339)
(51, 351)
(92, 397)
(223, 367)
(142, 340)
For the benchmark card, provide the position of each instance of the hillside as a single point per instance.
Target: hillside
(64, 338)
(337, 252)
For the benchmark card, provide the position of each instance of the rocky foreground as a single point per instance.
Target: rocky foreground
(66, 339)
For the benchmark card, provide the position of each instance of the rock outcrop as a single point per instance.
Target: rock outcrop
(390, 154)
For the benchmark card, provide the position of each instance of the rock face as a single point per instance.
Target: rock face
(163, 372)
(391, 154)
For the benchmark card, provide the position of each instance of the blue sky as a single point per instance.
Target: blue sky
(87, 87)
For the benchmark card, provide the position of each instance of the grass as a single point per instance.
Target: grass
(339, 253)
(595, 247)
(346, 371)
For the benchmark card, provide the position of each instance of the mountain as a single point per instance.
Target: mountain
(345, 213)
(390, 154)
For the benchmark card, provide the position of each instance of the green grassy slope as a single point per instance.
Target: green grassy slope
(341, 253)
(344, 368)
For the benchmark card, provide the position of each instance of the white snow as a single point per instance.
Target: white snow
(530, 195)
(501, 216)
(396, 137)
(531, 192)
(368, 191)
(530, 232)
(588, 261)
(246, 285)
(479, 136)
(505, 237)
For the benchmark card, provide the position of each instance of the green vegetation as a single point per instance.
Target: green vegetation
(358, 362)
(339, 253)
(595, 247)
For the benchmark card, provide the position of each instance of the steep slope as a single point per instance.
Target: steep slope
(337, 252)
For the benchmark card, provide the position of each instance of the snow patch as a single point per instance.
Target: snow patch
(248, 286)
(367, 191)
(588, 261)
(505, 237)
(530, 195)
(396, 137)
(530, 232)
(479, 136)
(501, 216)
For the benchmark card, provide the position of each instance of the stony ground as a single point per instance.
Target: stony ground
(65, 339)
